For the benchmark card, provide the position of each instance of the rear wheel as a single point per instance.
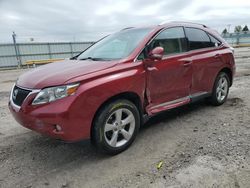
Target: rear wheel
(116, 126)
(220, 89)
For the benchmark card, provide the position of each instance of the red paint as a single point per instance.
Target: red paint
(161, 80)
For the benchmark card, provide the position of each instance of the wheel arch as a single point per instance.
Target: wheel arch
(228, 71)
(130, 96)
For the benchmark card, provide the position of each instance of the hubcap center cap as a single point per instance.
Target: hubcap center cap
(119, 126)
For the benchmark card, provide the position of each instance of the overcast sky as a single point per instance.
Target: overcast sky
(82, 20)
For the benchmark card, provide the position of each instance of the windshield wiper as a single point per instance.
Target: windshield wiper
(93, 59)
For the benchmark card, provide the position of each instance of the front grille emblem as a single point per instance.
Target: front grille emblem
(15, 92)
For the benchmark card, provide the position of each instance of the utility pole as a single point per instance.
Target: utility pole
(16, 50)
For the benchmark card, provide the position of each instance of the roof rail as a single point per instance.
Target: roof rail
(182, 22)
(127, 28)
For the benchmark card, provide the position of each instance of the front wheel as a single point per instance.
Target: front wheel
(220, 89)
(115, 126)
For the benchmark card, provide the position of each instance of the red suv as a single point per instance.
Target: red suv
(106, 92)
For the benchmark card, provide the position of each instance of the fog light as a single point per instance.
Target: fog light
(58, 128)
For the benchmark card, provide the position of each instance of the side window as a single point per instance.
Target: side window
(172, 40)
(197, 38)
(214, 42)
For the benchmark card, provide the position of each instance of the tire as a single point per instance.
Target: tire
(220, 89)
(115, 126)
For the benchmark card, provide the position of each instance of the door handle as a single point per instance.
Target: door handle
(152, 69)
(186, 62)
(217, 56)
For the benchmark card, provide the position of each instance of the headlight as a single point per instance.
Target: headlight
(53, 93)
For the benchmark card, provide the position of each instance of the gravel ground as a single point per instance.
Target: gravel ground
(198, 145)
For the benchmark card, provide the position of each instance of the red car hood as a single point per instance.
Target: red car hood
(58, 73)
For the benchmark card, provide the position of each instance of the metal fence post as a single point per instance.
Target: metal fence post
(50, 55)
(71, 49)
(16, 50)
(237, 39)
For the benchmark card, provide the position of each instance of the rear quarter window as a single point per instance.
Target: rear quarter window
(198, 39)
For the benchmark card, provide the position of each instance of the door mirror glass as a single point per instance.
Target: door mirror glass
(156, 53)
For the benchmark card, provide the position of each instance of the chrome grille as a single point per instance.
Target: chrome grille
(18, 95)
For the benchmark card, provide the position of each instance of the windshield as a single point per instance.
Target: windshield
(115, 46)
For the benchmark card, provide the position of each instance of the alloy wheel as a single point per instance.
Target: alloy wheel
(222, 89)
(119, 127)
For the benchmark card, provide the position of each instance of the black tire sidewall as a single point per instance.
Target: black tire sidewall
(102, 117)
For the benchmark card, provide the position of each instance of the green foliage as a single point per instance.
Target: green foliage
(224, 31)
(237, 29)
(245, 29)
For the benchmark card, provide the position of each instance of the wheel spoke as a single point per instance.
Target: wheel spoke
(223, 84)
(126, 134)
(128, 120)
(114, 138)
(109, 127)
(219, 95)
(118, 115)
(220, 83)
(217, 89)
(223, 92)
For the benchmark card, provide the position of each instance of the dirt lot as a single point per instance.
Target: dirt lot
(199, 145)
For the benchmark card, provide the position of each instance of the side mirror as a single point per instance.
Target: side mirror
(156, 53)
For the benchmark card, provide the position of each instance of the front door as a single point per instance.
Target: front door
(169, 79)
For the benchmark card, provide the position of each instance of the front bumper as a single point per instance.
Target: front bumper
(44, 118)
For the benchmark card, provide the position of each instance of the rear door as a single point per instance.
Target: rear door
(205, 50)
